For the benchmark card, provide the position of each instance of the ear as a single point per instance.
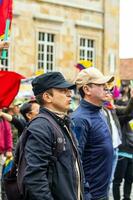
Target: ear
(87, 89)
(28, 115)
(47, 97)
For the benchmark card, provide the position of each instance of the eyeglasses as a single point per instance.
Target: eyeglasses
(100, 85)
(110, 91)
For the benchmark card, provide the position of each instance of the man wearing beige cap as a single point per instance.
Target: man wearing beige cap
(93, 133)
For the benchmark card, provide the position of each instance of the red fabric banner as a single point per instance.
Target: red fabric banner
(5, 13)
(9, 87)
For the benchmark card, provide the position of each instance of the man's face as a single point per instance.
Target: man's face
(109, 96)
(16, 110)
(60, 99)
(96, 93)
(34, 111)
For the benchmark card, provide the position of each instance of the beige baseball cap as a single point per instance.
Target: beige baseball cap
(92, 75)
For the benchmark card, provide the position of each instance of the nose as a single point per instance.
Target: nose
(69, 93)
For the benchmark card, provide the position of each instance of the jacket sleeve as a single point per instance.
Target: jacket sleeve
(19, 124)
(79, 128)
(8, 136)
(38, 151)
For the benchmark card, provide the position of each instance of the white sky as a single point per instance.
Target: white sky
(126, 28)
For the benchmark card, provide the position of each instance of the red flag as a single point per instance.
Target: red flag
(9, 86)
(5, 13)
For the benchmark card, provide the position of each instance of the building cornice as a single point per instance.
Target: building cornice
(44, 17)
(79, 5)
(88, 25)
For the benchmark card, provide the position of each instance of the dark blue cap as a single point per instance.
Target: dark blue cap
(50, 80)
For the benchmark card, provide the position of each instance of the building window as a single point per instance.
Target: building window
(46, 52)
(5, 62)
(87, 49)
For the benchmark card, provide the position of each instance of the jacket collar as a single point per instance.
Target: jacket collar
(58, 119)
(88, 105)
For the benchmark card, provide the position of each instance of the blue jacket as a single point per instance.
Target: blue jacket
(95, 146)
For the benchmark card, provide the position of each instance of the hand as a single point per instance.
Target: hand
(6, 116)
(0, 112)
(3, 45)
(8, 154)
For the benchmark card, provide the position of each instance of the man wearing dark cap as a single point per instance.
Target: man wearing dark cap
(93, 133)
(53, 169)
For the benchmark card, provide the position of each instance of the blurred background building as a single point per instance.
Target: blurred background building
(126, 69)
(50, 35)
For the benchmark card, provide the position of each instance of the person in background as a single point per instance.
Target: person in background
(17, 123)
(112, 113)
(16, 109)
(113, 122)
(5, 137)
(17, 120)
(125, 94)
(124, 169)
(5, 144)
(28, 110)
(93, 133)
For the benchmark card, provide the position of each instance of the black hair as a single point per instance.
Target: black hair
(39, 97)
(26, 108)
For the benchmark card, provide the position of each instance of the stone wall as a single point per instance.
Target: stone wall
(68, 19)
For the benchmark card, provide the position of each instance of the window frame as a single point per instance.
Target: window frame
(45, 44)
(87, 49)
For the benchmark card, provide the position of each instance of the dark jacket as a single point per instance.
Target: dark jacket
(95, 144)
(19, 124)
(41, 180)
(125, 114)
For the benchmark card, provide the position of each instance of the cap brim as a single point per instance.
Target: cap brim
(106, 79)
(65, 85)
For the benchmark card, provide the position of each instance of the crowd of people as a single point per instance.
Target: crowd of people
(77, 155)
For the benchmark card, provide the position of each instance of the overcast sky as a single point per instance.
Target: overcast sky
(126, 28)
